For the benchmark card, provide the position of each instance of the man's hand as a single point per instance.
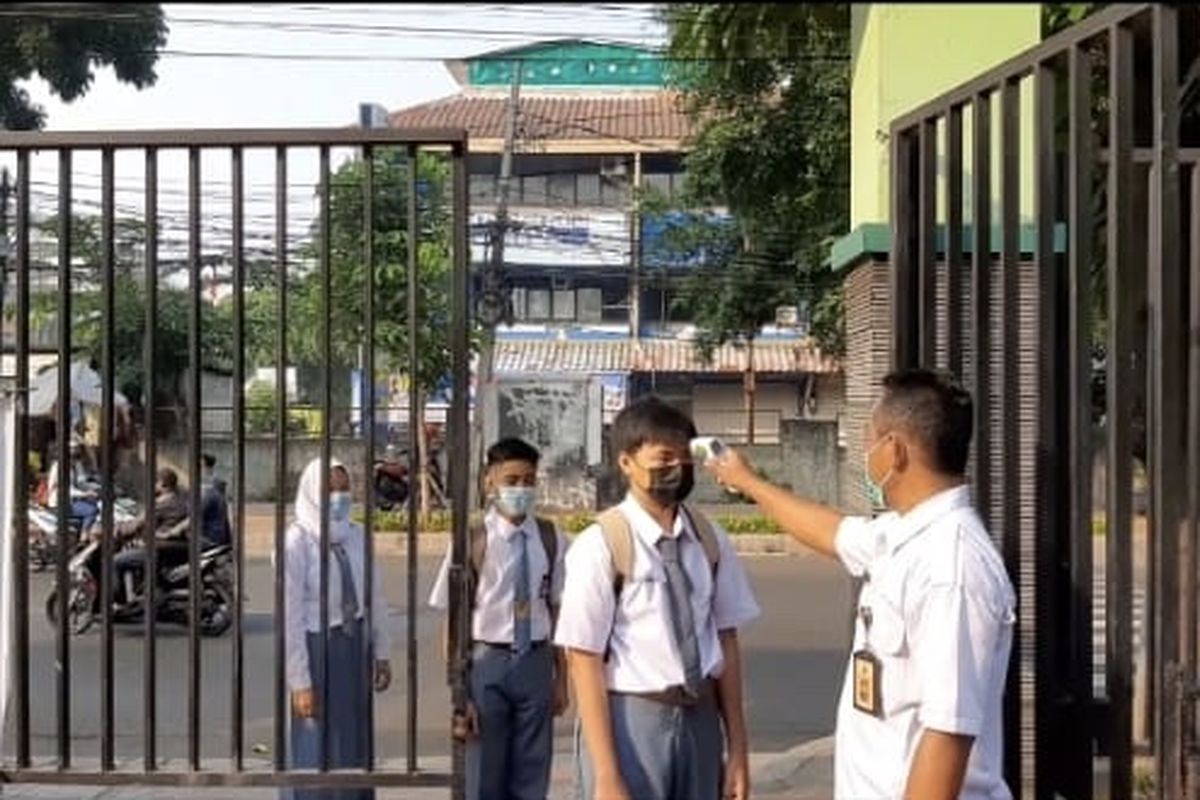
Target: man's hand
(562, 694)
(383, 675)
(304, 704)
(732, 470)
(737, 779)
(465, 725)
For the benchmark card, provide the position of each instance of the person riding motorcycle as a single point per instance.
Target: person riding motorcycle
(84, 500)
(214, 506)
(170, 509)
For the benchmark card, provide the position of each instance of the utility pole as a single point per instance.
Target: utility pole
(5, 191)
(635, 273)
(494, 301)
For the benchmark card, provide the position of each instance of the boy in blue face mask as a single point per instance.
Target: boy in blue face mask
(518, 683)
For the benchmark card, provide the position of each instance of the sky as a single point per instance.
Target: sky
(260, 65)
(316, 88)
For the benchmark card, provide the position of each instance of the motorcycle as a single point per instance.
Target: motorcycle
(43, 529)
(391, 482)
(172, 600)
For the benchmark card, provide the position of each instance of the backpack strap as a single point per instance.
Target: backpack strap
(707, 535)
(618, 535)
(549, 536)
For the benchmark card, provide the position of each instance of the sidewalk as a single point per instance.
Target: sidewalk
(802, 773)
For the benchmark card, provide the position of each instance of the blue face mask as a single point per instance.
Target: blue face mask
(339, 506)
(516, 501)
(873, 487)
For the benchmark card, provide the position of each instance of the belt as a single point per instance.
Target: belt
(510, 647)
(677, 695)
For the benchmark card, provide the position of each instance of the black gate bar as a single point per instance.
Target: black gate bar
(1119, 379)
(326, 451)
(415, 418)
(194, 400)
(926, 277)
(1010, 394)
(1080, 254)
(282, 695)
(149, 403)
(21, 443)
(1168, 364)
(237, 732)
(63, 436)
(368, 425)
(107, 433)
(954, 240)
(981, 297)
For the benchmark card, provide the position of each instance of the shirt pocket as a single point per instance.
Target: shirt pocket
(889, 640)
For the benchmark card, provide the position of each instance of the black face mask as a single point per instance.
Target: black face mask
(671, 485)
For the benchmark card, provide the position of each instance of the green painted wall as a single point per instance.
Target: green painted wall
(906, 54)
(570, 64)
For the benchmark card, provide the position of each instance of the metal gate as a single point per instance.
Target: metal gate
(257, 249)
(1114, 153)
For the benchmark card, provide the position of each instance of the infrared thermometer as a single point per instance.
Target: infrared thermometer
(706, 448)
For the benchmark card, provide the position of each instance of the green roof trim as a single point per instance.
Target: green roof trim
(570, 63)
(875, 238)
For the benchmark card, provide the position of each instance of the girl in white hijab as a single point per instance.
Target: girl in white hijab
(348, 666)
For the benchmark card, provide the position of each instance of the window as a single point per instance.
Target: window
(561, 189)
(519, 296)
(564, 304)
(590, 303)
(538, 304)
(533, 190)
(615, 302)
(614, 191)
(483, 189)
(587, 188)
(658, 181)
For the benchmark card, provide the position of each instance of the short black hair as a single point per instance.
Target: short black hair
(168, 478)
(651, 420)
(209, 460)
(513, 449)
(933, 408)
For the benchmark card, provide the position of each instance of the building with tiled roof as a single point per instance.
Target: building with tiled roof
(594, 120)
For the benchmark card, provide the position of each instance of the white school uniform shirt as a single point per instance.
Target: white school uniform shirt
(302, 580)
(492, 618)
(637, 635)
(942, 611)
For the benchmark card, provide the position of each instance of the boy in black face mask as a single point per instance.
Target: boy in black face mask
(653, 598)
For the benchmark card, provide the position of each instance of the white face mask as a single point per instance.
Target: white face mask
(516, 501)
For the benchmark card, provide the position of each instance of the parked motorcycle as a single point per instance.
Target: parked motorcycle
(173, 589)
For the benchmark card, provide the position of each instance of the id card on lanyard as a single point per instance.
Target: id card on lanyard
(866, 668)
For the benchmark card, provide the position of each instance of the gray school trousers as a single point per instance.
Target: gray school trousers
(514, 695)
(665, 752)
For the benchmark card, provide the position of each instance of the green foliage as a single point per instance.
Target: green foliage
(1060, 16)
(305, 306)
(571, 524)
(62, 44)
(769, 86)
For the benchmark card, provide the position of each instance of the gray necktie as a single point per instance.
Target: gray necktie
(522, 613)
(679, 589)
(349, 595)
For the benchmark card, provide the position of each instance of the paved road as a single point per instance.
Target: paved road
(794, 657)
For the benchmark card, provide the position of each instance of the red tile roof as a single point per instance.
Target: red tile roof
(655, 355)
(629, 117)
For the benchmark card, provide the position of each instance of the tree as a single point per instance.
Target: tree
(305, 309)
(769, 88)
(63, 42)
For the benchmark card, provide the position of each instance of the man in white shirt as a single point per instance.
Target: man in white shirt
(921, 709)
(518, 682)
(654, 599)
